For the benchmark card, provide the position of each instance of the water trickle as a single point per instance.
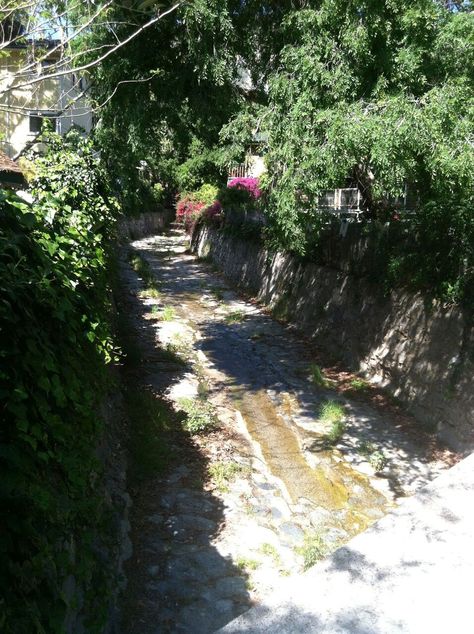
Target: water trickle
(330, 484)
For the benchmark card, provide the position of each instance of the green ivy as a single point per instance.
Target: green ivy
(54, 349)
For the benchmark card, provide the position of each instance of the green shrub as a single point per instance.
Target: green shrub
(236, 199)
(158, 193)
(207, 194)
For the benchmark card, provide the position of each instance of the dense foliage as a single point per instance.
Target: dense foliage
(370, 95)
(379, 96)
(166, 120)
(54, 347)
(376, 95)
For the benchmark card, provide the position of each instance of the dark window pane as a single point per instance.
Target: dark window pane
(37, 121)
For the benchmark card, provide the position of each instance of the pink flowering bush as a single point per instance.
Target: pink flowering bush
(251, 185)
(200, 204)
(188, 210)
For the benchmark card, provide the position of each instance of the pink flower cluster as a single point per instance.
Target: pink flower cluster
(188, 210)
(252, 185)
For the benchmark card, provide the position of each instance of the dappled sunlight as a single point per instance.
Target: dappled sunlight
(256, 374)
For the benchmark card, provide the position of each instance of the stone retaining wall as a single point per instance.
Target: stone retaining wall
(136, 227)
(421, 351)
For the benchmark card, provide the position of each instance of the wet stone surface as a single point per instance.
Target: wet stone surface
(237, 512)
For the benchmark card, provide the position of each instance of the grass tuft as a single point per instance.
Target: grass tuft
(270, 551)
(359, 385)
(246, 564)
(168, 314)
(235, 317)
(223, 473)
(150, 293)
(200, 415)
(317, 376)
(312, 550)
(333, 413)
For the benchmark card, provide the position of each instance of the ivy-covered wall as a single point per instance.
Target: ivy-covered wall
(56, 540)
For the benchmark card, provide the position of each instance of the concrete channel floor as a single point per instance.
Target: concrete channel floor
(238, 508)
(411, 572)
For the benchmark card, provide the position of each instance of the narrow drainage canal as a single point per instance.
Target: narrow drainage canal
(261, 494)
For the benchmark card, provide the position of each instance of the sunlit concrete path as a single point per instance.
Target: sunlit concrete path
(270, 489)
(411, 573)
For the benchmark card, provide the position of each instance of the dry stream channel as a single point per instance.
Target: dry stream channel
(277, 481)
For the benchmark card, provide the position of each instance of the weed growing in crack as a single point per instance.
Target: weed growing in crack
(359, 385)
(312, 550)
(168, 314)
(150, 293)
(141, 267)
(223, 473)
(200, 415)
(375, 457)
(246, 564)
(155, 309)
(333, 414)
(235, 317)
(180, 345)
(378, 461)
(203, 388)
(336, 432)
(317, 376)
(218, 294)
(143, 270)
(270, 551)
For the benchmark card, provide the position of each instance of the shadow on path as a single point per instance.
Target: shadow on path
(176, 579)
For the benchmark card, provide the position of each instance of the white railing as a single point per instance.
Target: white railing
(239, 170)
(342, 202)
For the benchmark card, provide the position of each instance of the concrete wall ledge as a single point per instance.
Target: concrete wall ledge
(144, 224)
(412, 573)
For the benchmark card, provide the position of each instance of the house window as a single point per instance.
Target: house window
(38, 119)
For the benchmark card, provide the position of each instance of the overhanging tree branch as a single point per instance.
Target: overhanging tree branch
(57, 72)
